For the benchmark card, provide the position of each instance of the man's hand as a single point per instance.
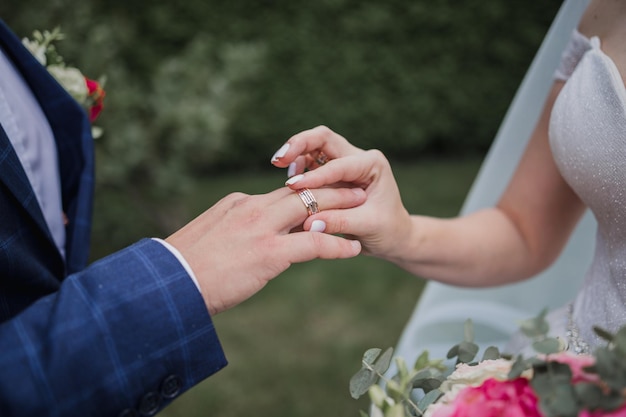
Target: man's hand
(243, 241)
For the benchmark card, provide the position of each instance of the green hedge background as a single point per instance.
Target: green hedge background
(199, 85)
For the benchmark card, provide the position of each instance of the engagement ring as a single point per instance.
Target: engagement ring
(321, 158)
(309, 201)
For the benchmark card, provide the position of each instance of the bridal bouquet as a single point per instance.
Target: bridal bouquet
(553, 383)
(87, 92)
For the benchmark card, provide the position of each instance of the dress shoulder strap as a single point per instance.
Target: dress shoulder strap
(576, 47)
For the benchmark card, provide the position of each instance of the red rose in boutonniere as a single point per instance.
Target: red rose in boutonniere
(89, 93)
(96, 97)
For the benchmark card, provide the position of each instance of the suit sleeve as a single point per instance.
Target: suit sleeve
(123, 337)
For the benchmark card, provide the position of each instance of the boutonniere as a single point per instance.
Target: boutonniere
(87, 92)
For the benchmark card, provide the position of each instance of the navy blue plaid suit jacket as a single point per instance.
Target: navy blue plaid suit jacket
(123, 336)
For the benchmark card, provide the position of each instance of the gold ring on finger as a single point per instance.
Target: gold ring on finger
(321, 158)
(309, 201)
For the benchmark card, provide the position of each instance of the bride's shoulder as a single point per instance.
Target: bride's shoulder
(604, 19)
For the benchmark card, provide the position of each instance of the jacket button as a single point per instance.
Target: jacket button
(171, 386)
(149, 404)
(129, 412)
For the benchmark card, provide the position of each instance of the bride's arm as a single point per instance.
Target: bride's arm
(521, 235)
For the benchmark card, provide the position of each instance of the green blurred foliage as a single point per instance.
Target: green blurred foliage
(197, 87)
(397, 75)
(405, 77)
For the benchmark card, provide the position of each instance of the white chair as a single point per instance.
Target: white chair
(437, 321)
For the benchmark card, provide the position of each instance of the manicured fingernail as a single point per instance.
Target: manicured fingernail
(291, 170)
(318, 226)
(281, 152)
(294, 179)
(356, 245)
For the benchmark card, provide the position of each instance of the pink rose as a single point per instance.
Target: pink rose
(493, 398)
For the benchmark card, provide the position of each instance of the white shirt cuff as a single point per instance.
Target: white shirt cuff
(181, 259)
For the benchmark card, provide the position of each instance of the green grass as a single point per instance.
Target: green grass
(293, 347)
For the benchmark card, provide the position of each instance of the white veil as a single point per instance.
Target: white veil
(437, 321)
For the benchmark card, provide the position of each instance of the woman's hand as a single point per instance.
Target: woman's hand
(381, 223)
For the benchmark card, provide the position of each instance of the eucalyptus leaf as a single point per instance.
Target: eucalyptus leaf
(551, 383)
(369, 373)
(426, 373)
(467, 351)
(361, 382)
(610, 368)
(453, 352)
(612, 401)
(422, 361)
(382, 363)
(370, 355)
(427, 384)
(403, 372)
(560, 401)
(590, 395)
(363, 414)
(518, 367)
(536, 327)
(429, 399)
(619, 342)
(602, 333)
(438, 365)
(491, 353)
(547, 346)
(427, 380)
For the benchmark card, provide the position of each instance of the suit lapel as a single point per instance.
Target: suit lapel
(72, 133)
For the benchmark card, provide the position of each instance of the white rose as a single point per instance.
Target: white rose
(72, 80)
(470, 375)
(476, 374)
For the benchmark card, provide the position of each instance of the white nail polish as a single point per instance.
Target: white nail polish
(281, 152)
(294, 179)
(291, 170)
(318, 226)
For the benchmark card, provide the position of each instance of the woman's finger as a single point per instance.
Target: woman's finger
(347, 222)
(360, 170)
(298, 166)
(311, 142)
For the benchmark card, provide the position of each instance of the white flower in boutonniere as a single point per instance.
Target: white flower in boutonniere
(87, 92)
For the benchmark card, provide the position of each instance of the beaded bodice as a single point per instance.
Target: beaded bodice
(588, 140)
